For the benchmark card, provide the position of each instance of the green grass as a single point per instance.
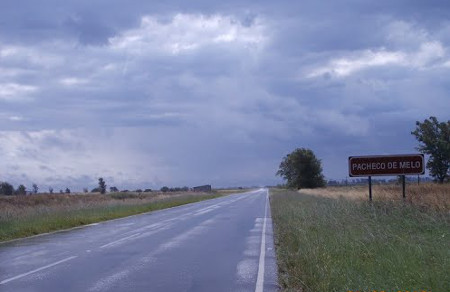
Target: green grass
(57, 219)
(326, 244)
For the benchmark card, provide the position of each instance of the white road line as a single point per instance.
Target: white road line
(207, 209)
(262, 256)
(154, 225)
(119, 240)
(37, 270)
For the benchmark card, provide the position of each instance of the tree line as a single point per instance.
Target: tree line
(9, 190)
(302, 169)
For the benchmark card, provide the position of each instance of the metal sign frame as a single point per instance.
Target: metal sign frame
(381, 162)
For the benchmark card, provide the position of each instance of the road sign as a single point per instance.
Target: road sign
(377, 165)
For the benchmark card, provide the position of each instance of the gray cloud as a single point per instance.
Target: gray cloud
(180, 93)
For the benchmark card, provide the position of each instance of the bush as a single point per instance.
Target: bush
(6, 189)
(21, 190)
(123, 196)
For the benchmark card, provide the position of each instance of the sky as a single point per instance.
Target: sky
(184, 93)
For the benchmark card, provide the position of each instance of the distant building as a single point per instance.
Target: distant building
(205, 188)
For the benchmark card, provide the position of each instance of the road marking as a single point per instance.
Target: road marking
(193, 209)
(37, 270)
(262, 256)
(119, 240)
(154, 225)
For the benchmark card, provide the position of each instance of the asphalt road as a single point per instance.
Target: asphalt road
(224, 244)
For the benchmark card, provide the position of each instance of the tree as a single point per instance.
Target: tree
(101, 185)
(50, 190)
(164, 189)
(301, 169)
(35, 188)
(6, 189)
(113, 189)
(67, 191)
(21, 190)
(434, 140)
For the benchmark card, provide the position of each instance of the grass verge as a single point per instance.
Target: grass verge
(22, 217)
(339, 244)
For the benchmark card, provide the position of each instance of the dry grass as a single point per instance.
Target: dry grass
(22, 216)
(426, 195)
(335, 240)
(18, 207)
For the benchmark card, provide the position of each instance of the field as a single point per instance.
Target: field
(425, 196)
(22, 216)
(333, 239)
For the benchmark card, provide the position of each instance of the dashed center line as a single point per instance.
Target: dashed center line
(156, 226)
(37, 270)
(119, 240)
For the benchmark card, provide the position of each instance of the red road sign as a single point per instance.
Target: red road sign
(386, 165)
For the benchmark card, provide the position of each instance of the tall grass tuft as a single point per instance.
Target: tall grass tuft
(425, 196)
(340, 244)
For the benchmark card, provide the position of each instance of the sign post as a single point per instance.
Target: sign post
(403, 187)
(386, 165)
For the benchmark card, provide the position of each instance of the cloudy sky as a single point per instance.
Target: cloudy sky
(152, 93)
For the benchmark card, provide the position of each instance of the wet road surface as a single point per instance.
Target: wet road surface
(224, 244)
